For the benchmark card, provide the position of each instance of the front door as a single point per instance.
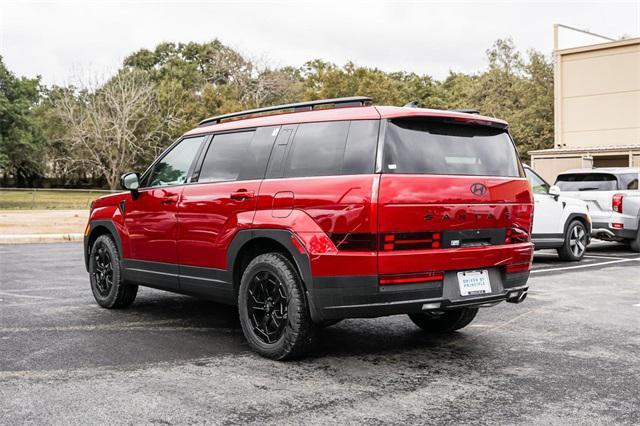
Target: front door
(547, 214)
(151, 218)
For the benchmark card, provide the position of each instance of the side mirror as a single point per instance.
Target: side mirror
(131, 182)
(554, 191)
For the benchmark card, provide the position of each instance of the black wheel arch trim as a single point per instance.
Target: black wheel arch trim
(93, 225)
(283, 237)
(583, 218)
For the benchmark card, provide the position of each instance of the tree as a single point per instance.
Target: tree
(22, 147)
(111, 130)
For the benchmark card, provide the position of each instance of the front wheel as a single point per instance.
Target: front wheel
(273, 311)
(445, 322)
(105, 275)
(575, 242)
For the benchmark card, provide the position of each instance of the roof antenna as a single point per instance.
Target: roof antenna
(412, 104)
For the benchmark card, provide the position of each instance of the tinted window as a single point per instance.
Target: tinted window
(433, 147)
(629, 181)
(587, 182)
(360, 153)
(238, 156)
(173, 167)
(318, 149)
(538, 185)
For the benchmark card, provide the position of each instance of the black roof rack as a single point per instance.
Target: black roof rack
(466, 110)
(301, 106)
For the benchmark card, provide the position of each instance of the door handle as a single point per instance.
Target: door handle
(166, 201)
(242, 195)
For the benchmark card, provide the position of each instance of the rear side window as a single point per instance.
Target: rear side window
(587, 182)
(629, 181)
(333, 148)
(237, 156)
(317, 149)
(423, 146)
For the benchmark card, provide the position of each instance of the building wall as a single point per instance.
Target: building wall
(599, 96)
(550, 167)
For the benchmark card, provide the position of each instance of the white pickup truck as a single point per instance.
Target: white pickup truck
(613, 198)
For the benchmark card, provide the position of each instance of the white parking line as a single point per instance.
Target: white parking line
(7, 293)
(590, 265)
(597, 256)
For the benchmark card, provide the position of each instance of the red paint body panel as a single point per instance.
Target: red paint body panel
(209, 218)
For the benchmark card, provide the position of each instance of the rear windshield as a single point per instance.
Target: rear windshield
(587, 182)
(433, 147)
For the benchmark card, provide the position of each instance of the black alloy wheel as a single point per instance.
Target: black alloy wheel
(267, 305)
(103, 269)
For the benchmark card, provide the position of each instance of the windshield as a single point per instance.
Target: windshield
(427, 146)
(587, 182)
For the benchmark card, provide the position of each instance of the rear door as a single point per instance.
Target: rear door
(447, 185)
(220, 201)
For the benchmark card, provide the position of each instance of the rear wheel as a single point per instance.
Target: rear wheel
(445, 322)
(105, 275)
(635, 243)
(273, 311)
(575, 242)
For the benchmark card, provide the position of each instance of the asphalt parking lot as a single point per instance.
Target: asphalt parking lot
(569, 354)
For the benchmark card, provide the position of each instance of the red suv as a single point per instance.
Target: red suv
(309, 213)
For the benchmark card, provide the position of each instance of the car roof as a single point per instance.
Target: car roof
(610, 170)
(339, 114)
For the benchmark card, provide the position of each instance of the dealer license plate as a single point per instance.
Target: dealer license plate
(474, 282)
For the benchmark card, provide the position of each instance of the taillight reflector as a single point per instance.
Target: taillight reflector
(518, 267)
(411, 278)
(617, 225)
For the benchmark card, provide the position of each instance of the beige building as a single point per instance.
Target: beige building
(597, 109)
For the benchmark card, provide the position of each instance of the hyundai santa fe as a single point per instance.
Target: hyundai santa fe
(306, 214)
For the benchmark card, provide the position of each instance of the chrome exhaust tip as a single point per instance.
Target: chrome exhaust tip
(517, 297)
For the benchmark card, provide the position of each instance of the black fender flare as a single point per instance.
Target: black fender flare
(283, 237)
(93, 225)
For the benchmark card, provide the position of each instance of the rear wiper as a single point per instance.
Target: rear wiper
(587, 189)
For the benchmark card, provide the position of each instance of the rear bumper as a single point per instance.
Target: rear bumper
(605, 231)
(361, 296)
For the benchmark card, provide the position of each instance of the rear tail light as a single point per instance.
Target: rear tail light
(411, 241)
(616, 203)
(516, 235)
(354, 242)
(422, 277)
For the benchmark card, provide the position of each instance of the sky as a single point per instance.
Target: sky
(64, 40)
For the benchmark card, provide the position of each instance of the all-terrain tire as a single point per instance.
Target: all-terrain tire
(114, 292)
(446, 322)
(298, 329)
(573, 250)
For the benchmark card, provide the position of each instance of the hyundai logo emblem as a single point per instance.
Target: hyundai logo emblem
(478, 189)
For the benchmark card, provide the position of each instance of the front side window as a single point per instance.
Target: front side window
(173, 168)
(538, 185)
(428, 146)
(587, 182)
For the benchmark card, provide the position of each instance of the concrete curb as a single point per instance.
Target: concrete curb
(39, 238)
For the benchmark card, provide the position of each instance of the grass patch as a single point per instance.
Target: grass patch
(47, 199)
